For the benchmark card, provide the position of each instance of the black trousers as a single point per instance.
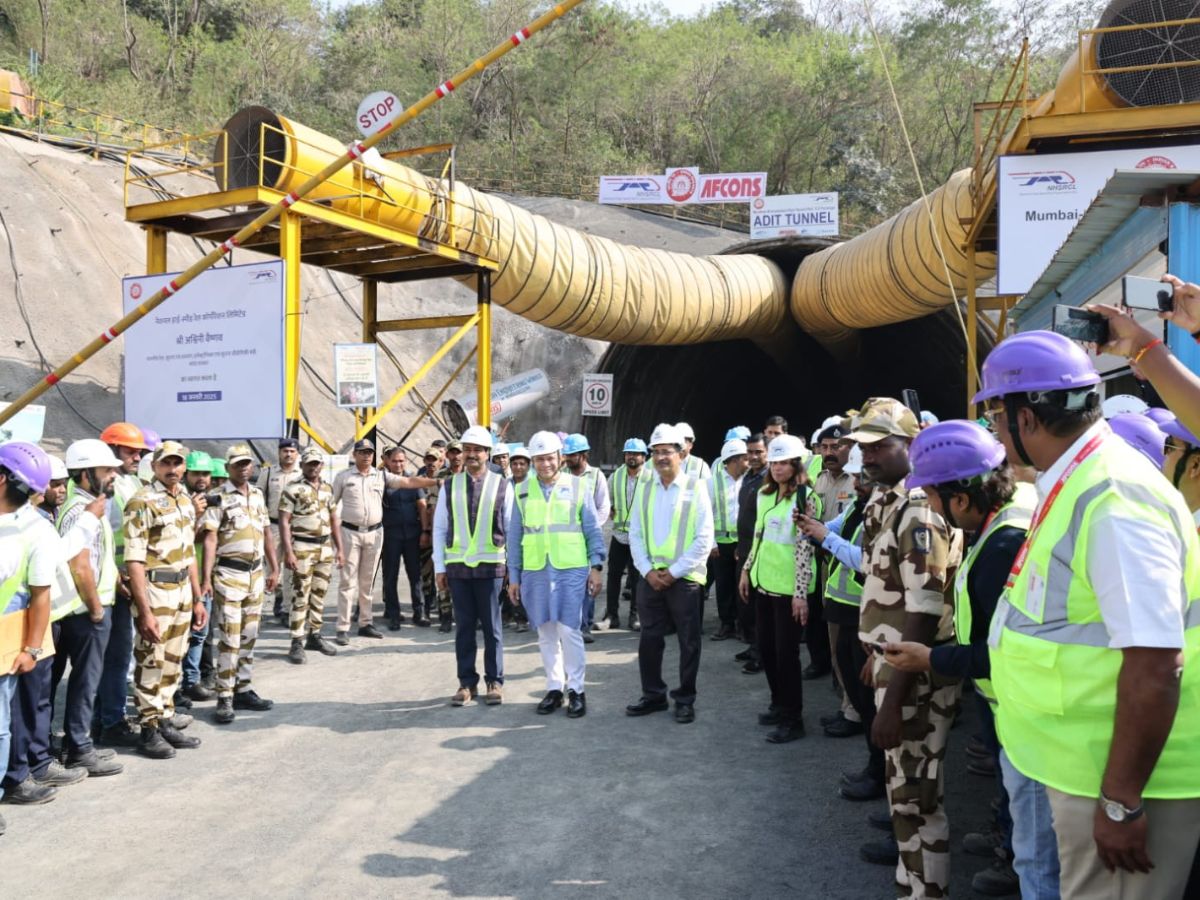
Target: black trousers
(395, 549)
(725, 573)
(746, 613)
(851, 657)
(29, 752)
(779, 651)
(680, 603)
(816, 634)
(82, 642)
(620, 565)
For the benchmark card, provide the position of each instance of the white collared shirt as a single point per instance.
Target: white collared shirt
(695, 555)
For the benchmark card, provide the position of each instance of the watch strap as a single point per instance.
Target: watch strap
(1130, 813)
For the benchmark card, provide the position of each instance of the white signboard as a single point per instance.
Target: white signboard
(27, 425)
(682, 186)
(1041, 198)
(814, 215)
(356, 375)
(376, 111)
(510, 396)
(208, 362)
(597, 395)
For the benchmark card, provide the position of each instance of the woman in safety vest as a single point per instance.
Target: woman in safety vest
(777, 578)
(555, 554)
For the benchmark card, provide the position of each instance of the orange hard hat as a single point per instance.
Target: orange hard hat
(124, 434)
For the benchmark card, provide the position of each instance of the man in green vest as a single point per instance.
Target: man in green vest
(723, 489)
(1099, 614)
(622, 485)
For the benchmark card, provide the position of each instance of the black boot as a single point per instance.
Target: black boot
(153, 745)
(576, 704)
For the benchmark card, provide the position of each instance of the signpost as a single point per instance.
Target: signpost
(597, 395)
(356, 375)
(683, 186)
(805, 215)
(377, 111)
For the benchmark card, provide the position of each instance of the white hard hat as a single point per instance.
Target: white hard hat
(686, 430)
(665, 433)
(477, 435)
(90, 452)
(58, 468)
(829, 421)
(1123, 403)
(733, 448)
(500, 450)
(854, 462)
(544, 442)
(146, 469)
(788, 446)
(519, 452)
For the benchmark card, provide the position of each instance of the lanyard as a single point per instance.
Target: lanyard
(1087, 450)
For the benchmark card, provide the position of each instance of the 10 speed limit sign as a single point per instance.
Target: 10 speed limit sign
(597, 395)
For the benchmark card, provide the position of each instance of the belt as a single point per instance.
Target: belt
(305, 539)
(274, 519)
(167, 576)
(363, 528)
(238, 565)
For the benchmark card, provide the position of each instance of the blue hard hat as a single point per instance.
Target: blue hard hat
(635, 445)
(576, 443)
(737, 433)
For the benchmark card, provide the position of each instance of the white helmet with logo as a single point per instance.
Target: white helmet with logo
(477, 435)
(665, 433)
(854, 462)
(732, 448)
(685, 430)
(544, 442)
(58, 469)
(89, 453)
(788, 446)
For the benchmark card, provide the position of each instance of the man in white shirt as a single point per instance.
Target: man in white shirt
(723, 490)
(689, 463)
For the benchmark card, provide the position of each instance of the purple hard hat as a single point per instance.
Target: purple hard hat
(952, 451)
(152, 439)
(1159, 416)
(1172, 427)
(28, 465)
(1142, 434)
(1036, 361)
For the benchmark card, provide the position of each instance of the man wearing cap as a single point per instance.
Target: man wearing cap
(160, 522)
(403, 513)
(198, 663)
(723, 488)
(433, 468)
(623, 484)
(312, 543)
(670, 536)
(469, 534)
(359, 490)
(272, 481)
(575, 455)
(236, 540)
(690, 464)
(910, 554)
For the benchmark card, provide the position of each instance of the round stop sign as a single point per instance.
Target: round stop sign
(376, 111)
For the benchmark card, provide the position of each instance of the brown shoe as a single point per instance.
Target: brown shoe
(493, 697)
(462, 695)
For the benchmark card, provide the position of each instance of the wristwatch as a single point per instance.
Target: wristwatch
(1118, 811)
(597, 568)
(35, 652)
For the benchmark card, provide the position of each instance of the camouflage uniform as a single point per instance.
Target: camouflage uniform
(273, 481)
(428, 586)
(310, 509)
(160, 532)
(910, 556)
(241, 524)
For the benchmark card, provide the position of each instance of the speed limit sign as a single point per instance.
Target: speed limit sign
(597, 395)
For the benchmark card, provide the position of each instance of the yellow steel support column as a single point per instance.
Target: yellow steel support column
(972, 331)
(156, 251)
(289, 251)
(484, 346)
(370, 316)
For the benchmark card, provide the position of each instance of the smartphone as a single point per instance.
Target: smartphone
(1146, 293)
(213, 499)
(1080, 325)
(912, 401)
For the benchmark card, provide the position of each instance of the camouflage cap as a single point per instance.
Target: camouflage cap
(454, 445)
(883, 417)
(433, 451)
(170, 448)
(238, 453)
(312, 454)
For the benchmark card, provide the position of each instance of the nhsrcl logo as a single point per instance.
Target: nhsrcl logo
(1055, 182)
(624, 185)
(681, 185)
(735, 188)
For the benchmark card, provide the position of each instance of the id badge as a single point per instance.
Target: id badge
(1035, 598)
(998, 619)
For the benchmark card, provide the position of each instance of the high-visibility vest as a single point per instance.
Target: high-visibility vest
(620, 487)
(694, 466)
(841, 586)
(14, 591)
(1054, 675)
(473, 547)
(106, 585)
(724, 530)
(1017, 513)
(683, 524)
(124, 487)
(553, 528)
(775, 536)
(815, 466)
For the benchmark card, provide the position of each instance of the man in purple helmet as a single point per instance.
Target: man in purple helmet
(1181, 459)
(1142, 434)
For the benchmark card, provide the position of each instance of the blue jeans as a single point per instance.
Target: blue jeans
(110, 699)
(477, 599)
(8, 686)
(195, 650)
(1035, 847)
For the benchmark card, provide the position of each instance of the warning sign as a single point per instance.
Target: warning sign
(597, 395)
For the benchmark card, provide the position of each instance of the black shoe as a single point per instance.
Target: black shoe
(881, 819)
(772, 716)
(576, 705)
(858, 775)
(421, 621)
(393, 625)
(175, 737)
(58, 775)
(209, 682)
(400, 617)
(314, 641)
(445, 627)
(250, 700)
(645, 706)
(552, 701)
(982, 843)
(788, 731)
(198, 692)
(30, 793)
(296, 653)
(997, 880)
(881, 853)
(724, 633)
(96, 765)
(685, 713)
(224, 713)
(120, 735)
(587, 636)
(858, 791)
(370, 631)
(634, 624)
(153, 745)
(811, 672)
(182, 700)
(342, 639)
(753, 667)
(843, 727)
(983, 766)
(826, 721)
(745, 655)
(614, 621)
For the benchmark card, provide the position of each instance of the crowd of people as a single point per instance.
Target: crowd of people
(1041, 559)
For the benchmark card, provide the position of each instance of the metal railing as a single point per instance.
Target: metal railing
(1003, 117)
(46, 118)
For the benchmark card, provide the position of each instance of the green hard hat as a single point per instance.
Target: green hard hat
(218, 468)
(199, 461)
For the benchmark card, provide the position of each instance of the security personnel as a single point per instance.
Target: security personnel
(429, 588)
(160, 523)
(236, 540)
(575, 456)
(128, 444)
(470, 528)
(402, 514)
(689, 462)
(312, 545)
(911, 553)
(555, 538)
(1103, 602)
(723, 488)
(670, 536)
(198, 480)
(272, 481)
(622, 485)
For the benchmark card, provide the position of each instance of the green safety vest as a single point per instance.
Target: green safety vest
(106, 586)
(473, 547)
(815, 466)
(693, 466)
(683, 524)
(124, 487)
(1055, 677)
(552, 529)
(724, 530)
(14, 591)
(1017, 513)
(841, 586)
(774, 568)
(620, 506)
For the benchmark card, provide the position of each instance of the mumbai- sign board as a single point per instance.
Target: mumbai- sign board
(790, 215)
